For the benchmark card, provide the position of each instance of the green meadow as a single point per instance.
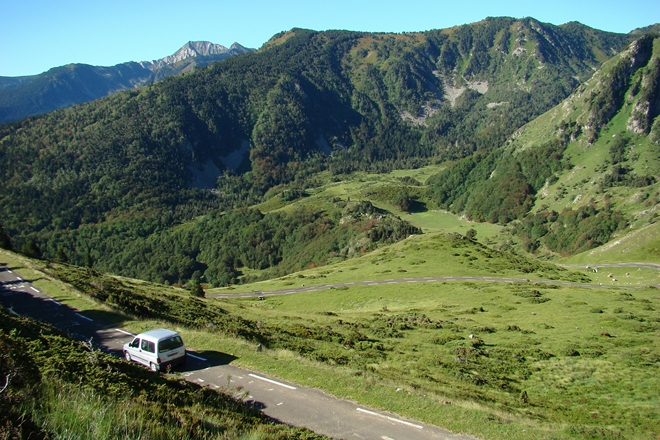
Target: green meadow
(491, 359)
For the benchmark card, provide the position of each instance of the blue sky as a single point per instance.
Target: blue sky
(36, 35)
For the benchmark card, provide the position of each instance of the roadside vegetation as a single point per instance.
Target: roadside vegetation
(55, 387)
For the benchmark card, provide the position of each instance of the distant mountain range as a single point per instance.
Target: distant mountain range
(72, 84)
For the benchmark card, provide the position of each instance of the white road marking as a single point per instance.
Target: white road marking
(200, 380)
(281, 403)
(124, 332)
(196, 357)
(34, 289)
(389, 418)
(51, 299)
(11, 309)
(9, 271)
(84, 317)
(272, 381)
(19, 278)
(384, 437)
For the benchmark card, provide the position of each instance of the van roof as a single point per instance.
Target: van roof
(159, 333)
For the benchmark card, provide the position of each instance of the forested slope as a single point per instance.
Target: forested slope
(141, 161)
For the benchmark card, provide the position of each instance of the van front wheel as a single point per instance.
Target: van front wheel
(153, 367)
(127, 356)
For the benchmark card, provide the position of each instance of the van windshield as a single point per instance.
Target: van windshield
(170, 343)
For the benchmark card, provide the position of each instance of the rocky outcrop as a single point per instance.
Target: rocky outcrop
(646, 95)
(196, 49)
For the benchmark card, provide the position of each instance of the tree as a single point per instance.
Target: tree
(88, 261)
(60, 256)
(402, 200)
(471, 234)
(196, 289)
(5, 241)
(31, 249)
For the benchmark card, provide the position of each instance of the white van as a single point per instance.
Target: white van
(157, 349)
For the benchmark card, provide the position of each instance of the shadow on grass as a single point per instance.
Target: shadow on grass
(417, 207)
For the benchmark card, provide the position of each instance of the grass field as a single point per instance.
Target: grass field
(583, 358)
(640, 245)
(428, 255)
(496, 360)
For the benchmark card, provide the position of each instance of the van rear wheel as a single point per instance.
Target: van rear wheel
(127, 356)
(153, 367)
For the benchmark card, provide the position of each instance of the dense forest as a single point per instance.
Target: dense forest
(112, 183)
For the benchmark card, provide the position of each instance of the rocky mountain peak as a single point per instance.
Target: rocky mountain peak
(194, 49)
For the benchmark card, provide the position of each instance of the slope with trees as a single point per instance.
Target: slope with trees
(141, 161)
(590, 164)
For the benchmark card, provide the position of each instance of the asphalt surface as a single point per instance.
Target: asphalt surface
(285, 402)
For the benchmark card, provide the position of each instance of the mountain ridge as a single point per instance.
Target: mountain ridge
(315, 105)
(76, 83)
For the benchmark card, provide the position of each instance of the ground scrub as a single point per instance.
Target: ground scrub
(59, 388)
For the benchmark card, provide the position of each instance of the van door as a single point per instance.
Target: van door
(171, 349)
(148, 352)
(135, 351)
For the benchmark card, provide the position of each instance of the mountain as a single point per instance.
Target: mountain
(578, 175)
(654, 28)
(134, 165)
(196, 49)
(72, 84)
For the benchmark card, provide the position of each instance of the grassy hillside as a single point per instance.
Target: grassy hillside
(497, 360)
(59, 388)
(639, 245)
(578, 176)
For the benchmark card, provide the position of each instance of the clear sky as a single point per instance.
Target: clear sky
(36, 35)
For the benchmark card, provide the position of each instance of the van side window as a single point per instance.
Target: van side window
(148, 346)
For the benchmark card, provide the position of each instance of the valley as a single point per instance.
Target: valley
(456, 227)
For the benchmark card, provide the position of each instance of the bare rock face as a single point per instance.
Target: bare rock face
(195, 49)
(646, 106)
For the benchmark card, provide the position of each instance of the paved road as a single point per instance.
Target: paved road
(286, 402)
(255, 294)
